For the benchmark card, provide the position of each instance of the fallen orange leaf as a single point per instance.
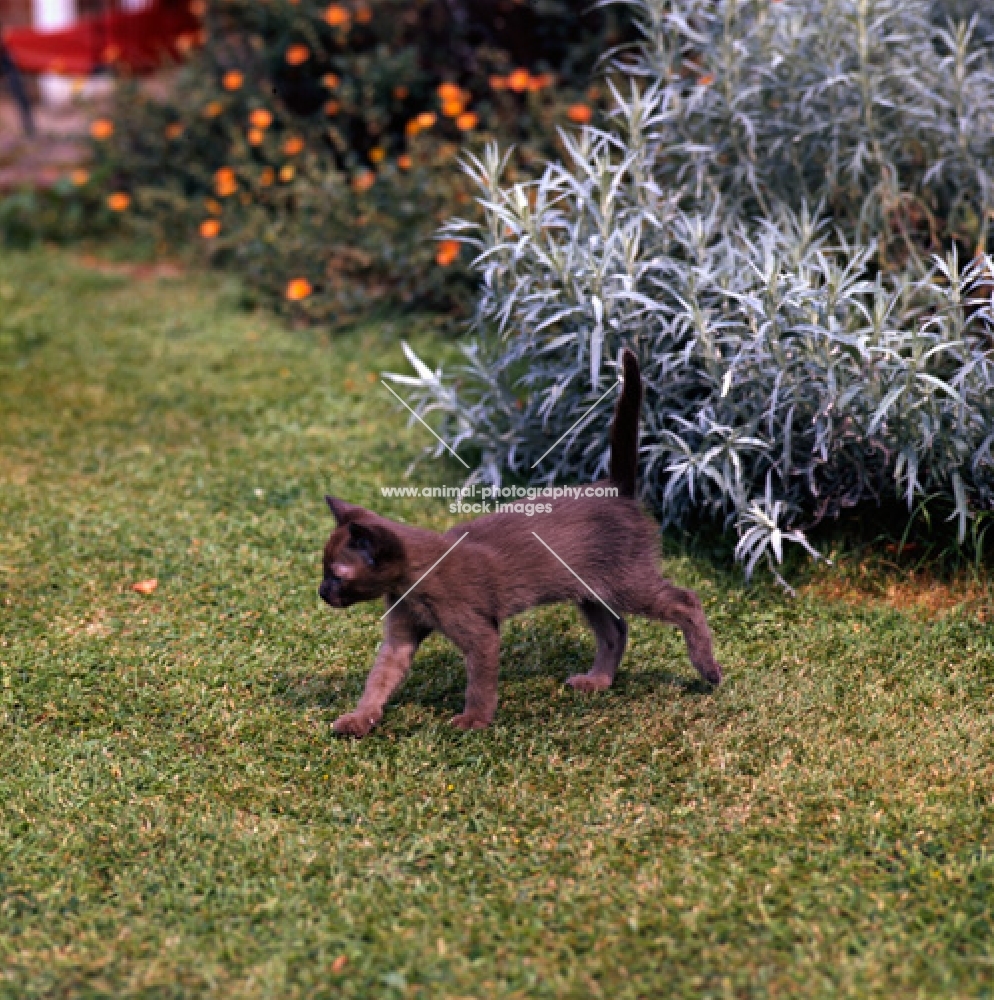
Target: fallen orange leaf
(145, 586)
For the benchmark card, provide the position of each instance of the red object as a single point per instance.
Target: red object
(138, 41)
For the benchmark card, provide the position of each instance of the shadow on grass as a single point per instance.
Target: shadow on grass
(536, 660)
(888, 542)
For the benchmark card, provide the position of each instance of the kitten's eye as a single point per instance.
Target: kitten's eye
(365, 547)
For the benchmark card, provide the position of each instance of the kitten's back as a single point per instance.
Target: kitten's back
(599, 544)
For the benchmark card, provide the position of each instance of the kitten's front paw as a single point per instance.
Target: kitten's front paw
(589, 682)
(467, 721)
(353, 724)
(711, 673)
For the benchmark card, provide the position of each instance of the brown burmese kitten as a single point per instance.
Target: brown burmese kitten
(500, 569)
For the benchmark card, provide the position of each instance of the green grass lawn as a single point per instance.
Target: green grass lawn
(177, 819)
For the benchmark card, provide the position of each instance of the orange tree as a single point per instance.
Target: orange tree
(315, 147)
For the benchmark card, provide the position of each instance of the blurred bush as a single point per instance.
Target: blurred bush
(71, 209)
(787, 217)
(314, 147)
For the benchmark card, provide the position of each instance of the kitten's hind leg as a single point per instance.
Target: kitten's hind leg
(661, 600)
(612, 635)
(479, 642)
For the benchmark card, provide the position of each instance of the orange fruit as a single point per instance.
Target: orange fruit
(337, 16)
(298, 289)
(518, 81)
(261, 118)
(363, 180)
(448, 252)
(225, 182)
(102, 128)
(297, 55)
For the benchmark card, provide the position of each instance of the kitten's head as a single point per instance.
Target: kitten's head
(363, 558)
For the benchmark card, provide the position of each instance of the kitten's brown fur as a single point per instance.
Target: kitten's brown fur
(500, 569)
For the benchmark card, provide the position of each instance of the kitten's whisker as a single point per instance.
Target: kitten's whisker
(580, 578)
(423, 575)
(413, 414)
(580, 421)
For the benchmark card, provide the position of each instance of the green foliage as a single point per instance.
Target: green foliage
(177, 819)
(58, 214)
(320, 142)
(776, 219)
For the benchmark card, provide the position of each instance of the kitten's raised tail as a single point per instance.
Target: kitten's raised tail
(625, 429)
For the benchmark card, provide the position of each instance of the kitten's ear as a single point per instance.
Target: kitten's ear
(378, 543)
(343, 511)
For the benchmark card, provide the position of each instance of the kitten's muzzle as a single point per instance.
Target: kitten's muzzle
(330, 592)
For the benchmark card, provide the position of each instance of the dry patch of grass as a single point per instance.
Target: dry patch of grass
(148, 271)
(922, 594)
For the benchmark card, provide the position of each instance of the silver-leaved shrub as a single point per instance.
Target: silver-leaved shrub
(776, 218)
